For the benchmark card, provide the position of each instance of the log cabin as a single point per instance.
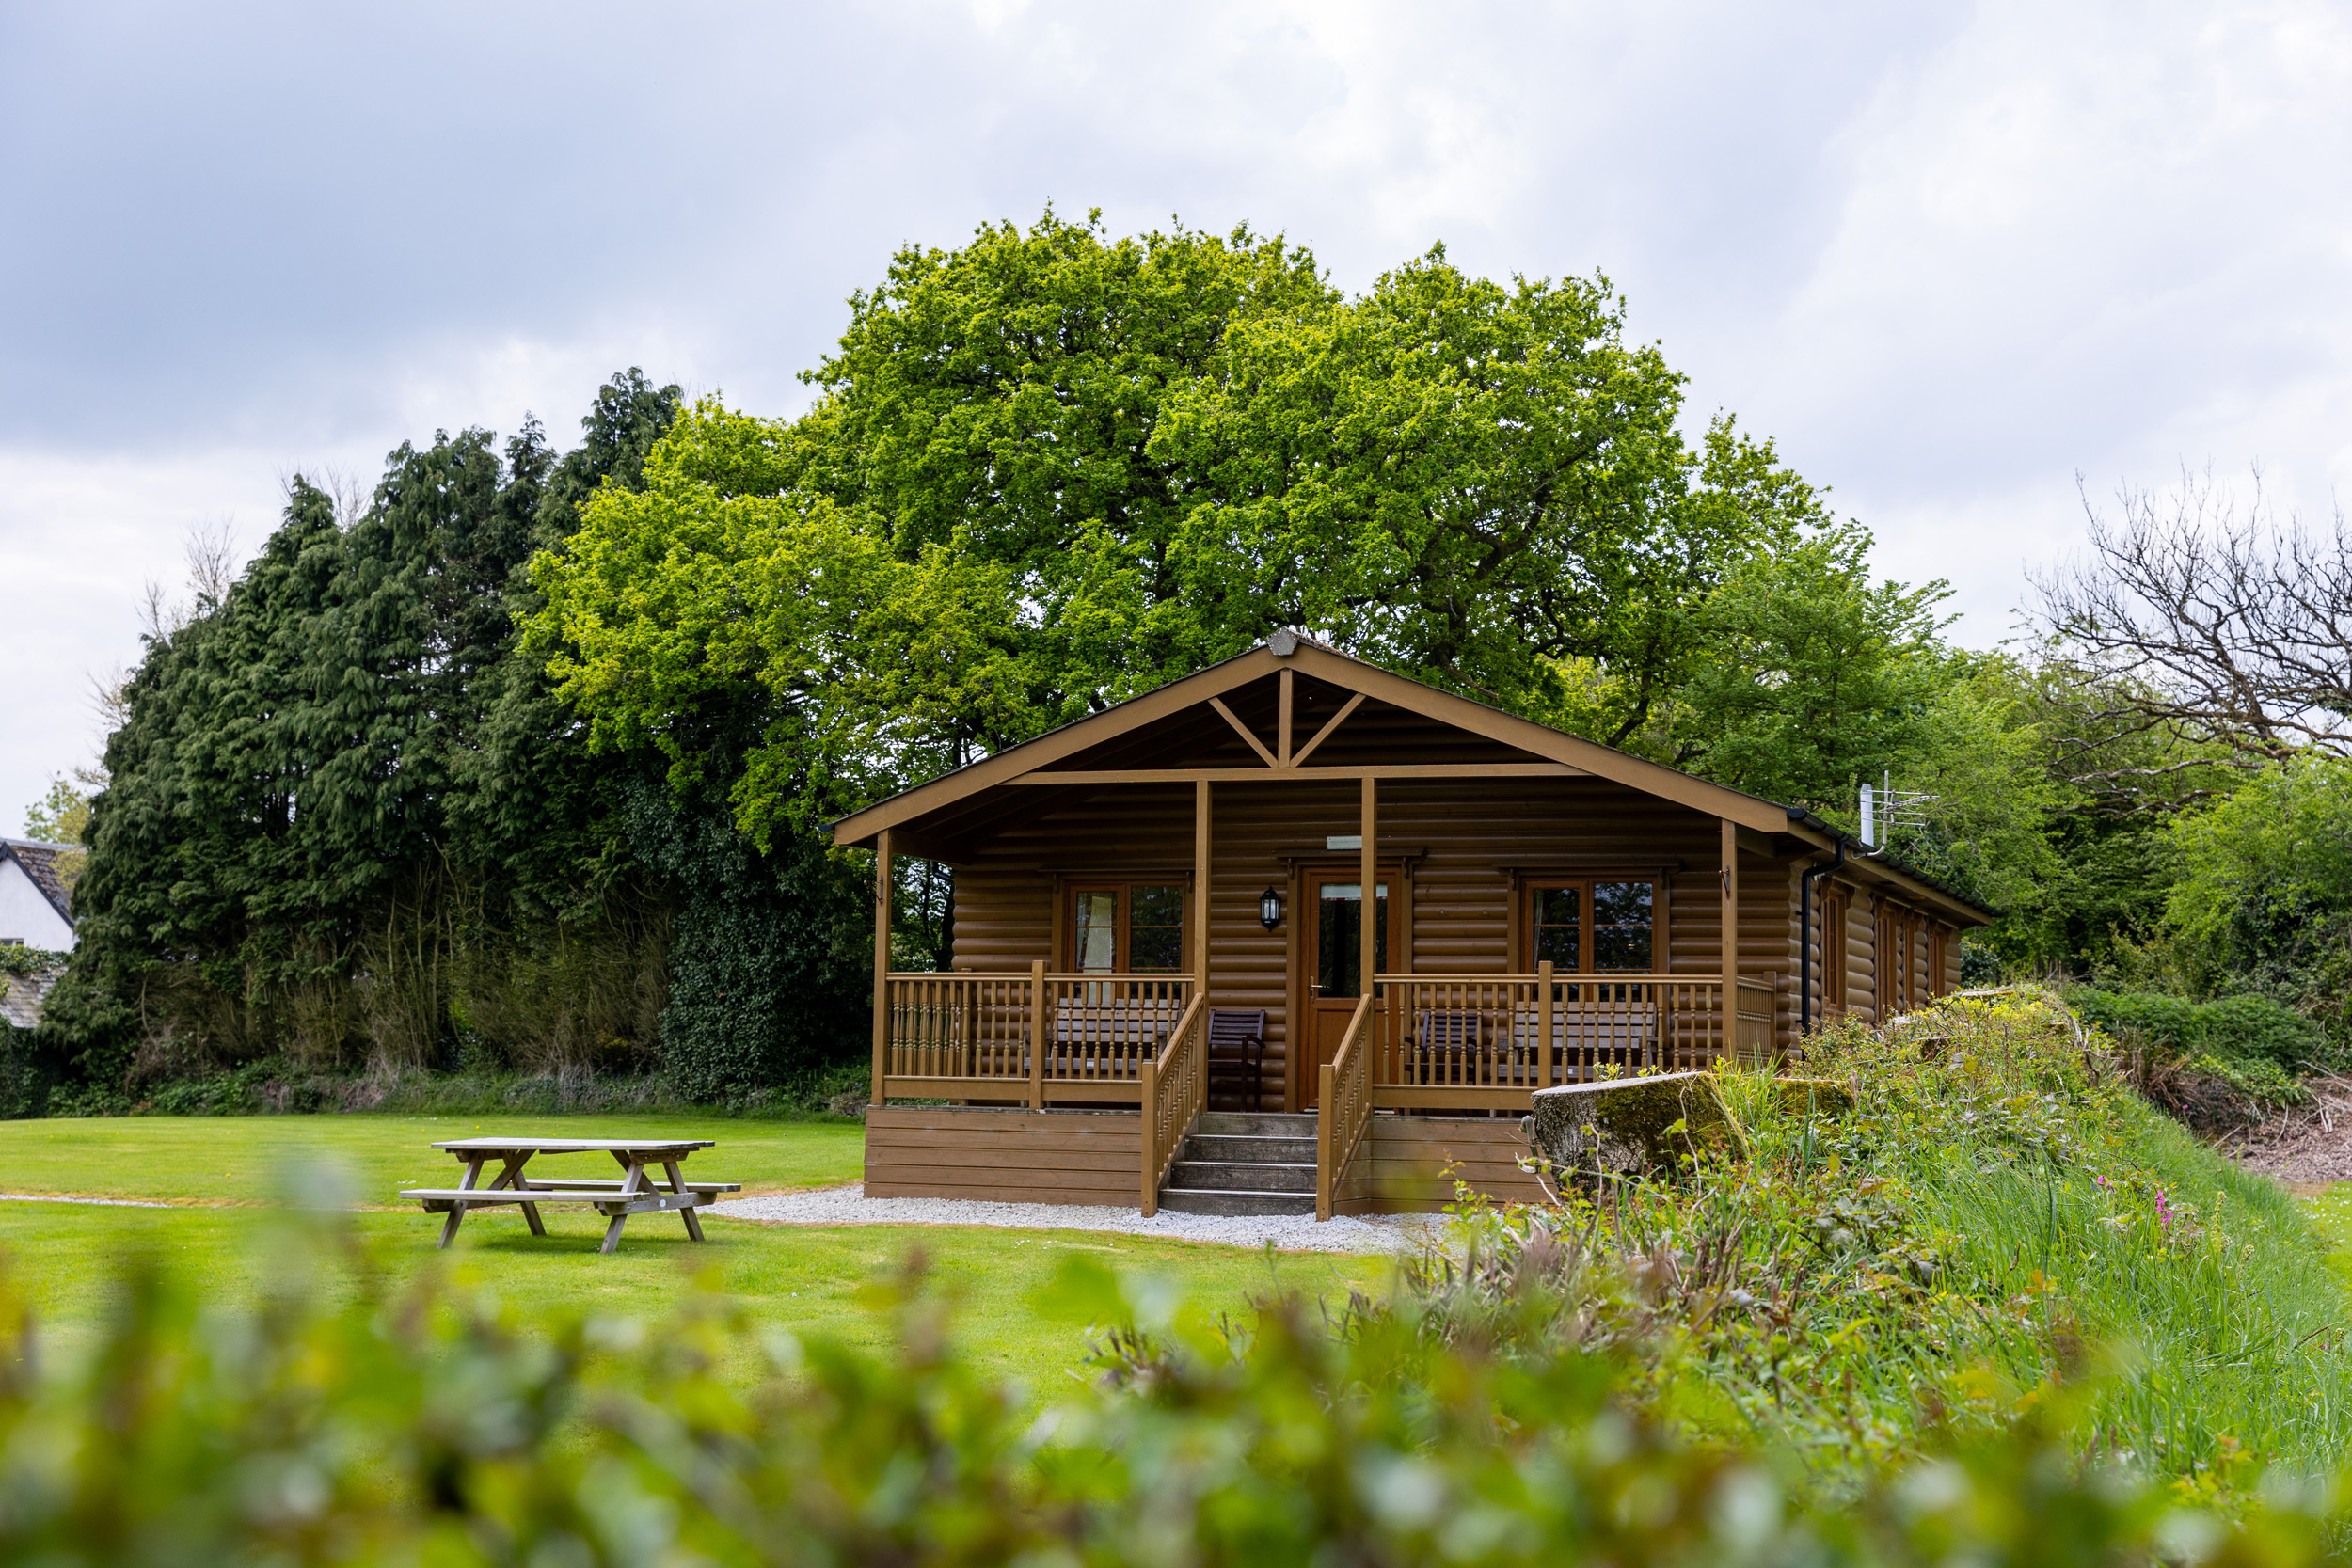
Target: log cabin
(1157, 992)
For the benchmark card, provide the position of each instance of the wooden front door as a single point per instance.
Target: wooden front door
(1332, 952)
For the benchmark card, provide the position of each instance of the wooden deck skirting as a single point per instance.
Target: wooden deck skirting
(1408, 1163)
(1003, 1156)
(1415, 1161)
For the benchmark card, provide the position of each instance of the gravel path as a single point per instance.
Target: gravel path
(97, 1203)
(1372, 1233)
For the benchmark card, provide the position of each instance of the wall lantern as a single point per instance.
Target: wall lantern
(1270, 908)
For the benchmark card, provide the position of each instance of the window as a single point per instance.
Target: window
(1937, 981)
(1559, 926)
(1127, 928)
(1596, 925)
(1340, 937)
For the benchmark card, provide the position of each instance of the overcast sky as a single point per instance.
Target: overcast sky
(1949, 258)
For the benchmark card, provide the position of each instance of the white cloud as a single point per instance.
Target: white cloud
(1949, 257)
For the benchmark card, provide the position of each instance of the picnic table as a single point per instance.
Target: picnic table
(637, 1193)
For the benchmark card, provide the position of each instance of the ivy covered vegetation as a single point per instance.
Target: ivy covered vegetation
(519, 764)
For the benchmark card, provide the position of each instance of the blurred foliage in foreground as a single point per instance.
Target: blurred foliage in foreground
(2002, 1312)
(421, 1425)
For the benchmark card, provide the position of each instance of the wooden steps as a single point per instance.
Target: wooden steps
(1244, 1162)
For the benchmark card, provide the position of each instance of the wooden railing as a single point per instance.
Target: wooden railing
(1345, 1109)
(1486, 1042)
(1759, 1023)
(1035, 1036)
(1175, 1087)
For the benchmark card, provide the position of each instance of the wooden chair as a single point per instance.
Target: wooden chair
(1237, 1049)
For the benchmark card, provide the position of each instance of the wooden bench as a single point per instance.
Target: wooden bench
(1111, 1039)
(1586, 1034)
(638, 1193)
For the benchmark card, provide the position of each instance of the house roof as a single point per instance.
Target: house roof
(21, 996)
(1510, 735)
(42, 862)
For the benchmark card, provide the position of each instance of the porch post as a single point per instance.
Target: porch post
(1542, 1023)
(882, 873)
(1041, 1033)
(1200, 885)
(1368, 903)
(1731, 938)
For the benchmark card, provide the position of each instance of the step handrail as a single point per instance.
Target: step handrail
(1344, 1108)
(1175, 1087)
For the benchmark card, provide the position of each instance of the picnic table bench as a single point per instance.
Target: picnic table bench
(637, 1192)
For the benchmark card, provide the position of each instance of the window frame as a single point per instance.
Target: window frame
(1534, 884)
(1895, 957)
(1123, 959)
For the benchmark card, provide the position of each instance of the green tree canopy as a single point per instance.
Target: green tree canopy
(2262, 899)
(1050, 469)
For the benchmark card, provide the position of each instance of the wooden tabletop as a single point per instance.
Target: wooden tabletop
(572, 1145)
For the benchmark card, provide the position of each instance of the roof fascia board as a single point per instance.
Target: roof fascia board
(1337, 669)
(1863, 862)
(857, 829)
(1541, 740)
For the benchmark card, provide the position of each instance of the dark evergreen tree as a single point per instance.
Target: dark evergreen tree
(348, 819)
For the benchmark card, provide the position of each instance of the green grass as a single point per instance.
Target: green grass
(2071, 1216)
(244, 1159)
(2330, 1206)
(220, 1172)
(2231, 1335)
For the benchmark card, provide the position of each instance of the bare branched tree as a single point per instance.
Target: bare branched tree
(350, 494)
(211, 557)
(211, 553)
(2219, 623)
(110, 698)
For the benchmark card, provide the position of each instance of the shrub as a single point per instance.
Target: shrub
(1997, 1205)
(2247, 1030)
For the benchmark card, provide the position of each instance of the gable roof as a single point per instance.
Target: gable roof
(1569, 753)
(41, 864)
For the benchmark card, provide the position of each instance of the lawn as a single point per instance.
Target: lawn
(212, 1159)
(2330, 1206)
(221, 1173)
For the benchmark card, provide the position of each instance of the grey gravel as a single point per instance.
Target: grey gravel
(1370, 1233)
(96, 1202)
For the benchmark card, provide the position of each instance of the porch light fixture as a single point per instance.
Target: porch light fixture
(1269, 909)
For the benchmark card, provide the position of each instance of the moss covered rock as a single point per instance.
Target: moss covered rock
(1821, 1097)
(1632, 1124)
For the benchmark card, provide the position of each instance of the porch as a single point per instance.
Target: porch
(1414, 1046)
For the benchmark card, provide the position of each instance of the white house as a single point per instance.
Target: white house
(33, 910)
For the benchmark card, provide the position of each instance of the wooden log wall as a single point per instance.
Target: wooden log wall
(1466, 845)
(1004, 1156)
(1875, 988)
